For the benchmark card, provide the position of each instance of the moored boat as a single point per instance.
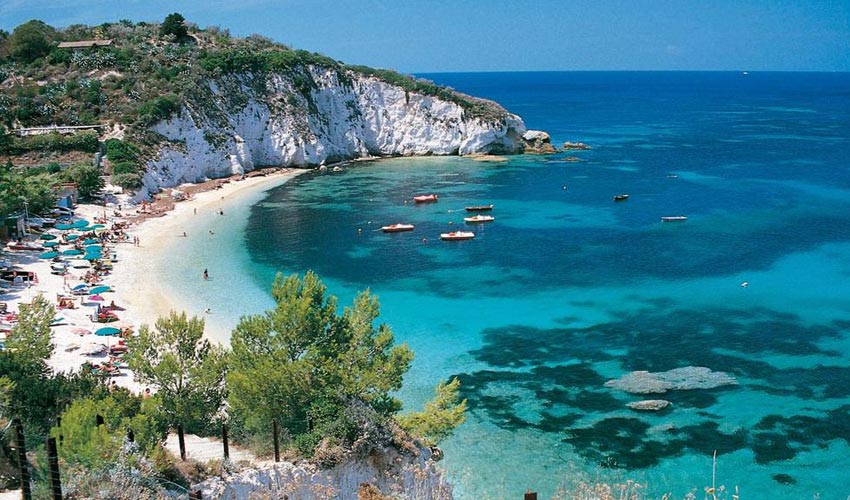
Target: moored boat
(475, 219)
(674, 218)
(425, 198)
(457, 236)
(621, 197)
(397, 228)
(479, 208)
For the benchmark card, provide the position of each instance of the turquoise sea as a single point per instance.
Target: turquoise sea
(567, 289)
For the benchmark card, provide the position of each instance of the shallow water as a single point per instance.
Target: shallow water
(568, 289)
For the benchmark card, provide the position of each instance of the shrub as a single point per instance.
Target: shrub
(159, 108)
(127, 181)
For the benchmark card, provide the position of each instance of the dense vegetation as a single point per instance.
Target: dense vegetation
(326, 377)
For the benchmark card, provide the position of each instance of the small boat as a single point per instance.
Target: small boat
(621, 197)
(674, 218)
(397, 228)
(457, 236)
(479, 208)
(425, 198)
(475, 219)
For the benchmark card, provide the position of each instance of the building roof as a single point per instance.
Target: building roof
(85, 44)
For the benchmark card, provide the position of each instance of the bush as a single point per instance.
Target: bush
(125, 167)
(159, 108)
(127, 181)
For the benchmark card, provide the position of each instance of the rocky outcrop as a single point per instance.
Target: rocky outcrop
(538, 142)
(575, 145)
(243, 121)
(390, 472)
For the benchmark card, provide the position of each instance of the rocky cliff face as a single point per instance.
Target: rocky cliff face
(241, 122)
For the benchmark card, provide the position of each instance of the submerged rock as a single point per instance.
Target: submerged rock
(649, 405)
(687, 378)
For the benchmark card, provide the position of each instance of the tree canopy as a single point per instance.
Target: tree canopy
(304, 365)
(187, 370)
(174, 26)
(88, 179)
(30, 40)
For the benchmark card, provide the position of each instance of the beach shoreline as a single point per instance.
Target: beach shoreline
(135, 276)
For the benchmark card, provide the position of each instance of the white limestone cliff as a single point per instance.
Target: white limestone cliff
(242, 122)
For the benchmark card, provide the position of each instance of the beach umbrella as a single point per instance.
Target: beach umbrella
(72, 251)
(95, 298)
(64, 227)
(81, 223)
(106, 331)
(99, 289)
(94, 248)
(91, 256)
(49, 244)
(81, 331)
(79, 286)
(48, 255)
(91, 241)
(48, 236)
(72, 237)
(96, 226)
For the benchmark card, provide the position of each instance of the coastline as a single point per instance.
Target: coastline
(139, 280)
(135, 277)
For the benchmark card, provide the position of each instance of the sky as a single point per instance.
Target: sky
(501, 35)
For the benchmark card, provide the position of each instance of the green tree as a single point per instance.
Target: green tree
(30, 40)
(90, 445)
(174, 26)
(303, 364)
(441, 416)
(88, 179)
(187, 370)
(30, 337)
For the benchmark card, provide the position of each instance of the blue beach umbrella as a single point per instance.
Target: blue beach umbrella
(91, 241)
(64, 227)
(107, 331)
(90, 256)
(48, 236)
(99, 289)
(96, 226)
(72, 251)
(72, 237)
(81, 223)
(50, 244)
(94, 248)
(48, 255)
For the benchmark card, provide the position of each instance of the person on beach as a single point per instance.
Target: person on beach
(206, 275)
(184, 234)
(220, 211)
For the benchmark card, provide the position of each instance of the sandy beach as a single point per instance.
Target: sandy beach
(135, 282)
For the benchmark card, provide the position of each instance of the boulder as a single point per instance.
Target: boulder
(538, 142)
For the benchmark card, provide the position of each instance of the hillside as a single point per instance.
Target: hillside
(193, 103)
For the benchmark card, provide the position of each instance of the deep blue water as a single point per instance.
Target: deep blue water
(568, 289)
